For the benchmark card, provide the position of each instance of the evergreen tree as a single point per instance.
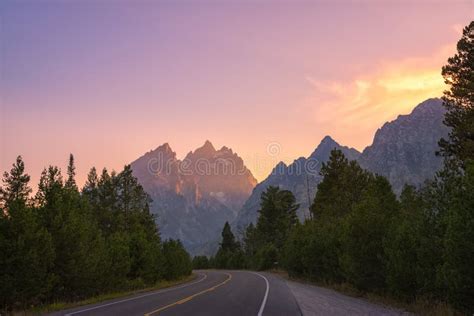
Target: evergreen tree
(412, 248)
(77, 240)
(459, 99)
(277, 216)
(458, 272)
(90, 189)
(177, 261)
(342, 185)
(229, 254)
(118, 262)
(16, 189)
(228, 239)
(26, 249)
(250, 241)
(104, 206)
(132, 202)
(313, 249)
(364, 234)
(71, 174)
(69, 245)
(201, 262)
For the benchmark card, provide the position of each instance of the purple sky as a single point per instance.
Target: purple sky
(110, 80)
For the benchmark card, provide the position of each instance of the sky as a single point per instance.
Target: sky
(111, 80)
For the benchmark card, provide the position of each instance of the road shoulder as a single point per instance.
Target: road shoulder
(315, 300)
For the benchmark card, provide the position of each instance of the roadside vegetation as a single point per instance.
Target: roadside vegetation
(61, 305)
(417, 248)
(67, 245)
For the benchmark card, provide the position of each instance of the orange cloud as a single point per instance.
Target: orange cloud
(352, 110)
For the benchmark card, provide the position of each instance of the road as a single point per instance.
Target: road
(212, 293)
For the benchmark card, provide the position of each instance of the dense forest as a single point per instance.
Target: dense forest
(66, 244)
(419, 245)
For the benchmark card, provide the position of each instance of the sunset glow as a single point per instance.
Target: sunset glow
(109, 83)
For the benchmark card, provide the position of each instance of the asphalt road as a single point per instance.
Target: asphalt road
(212, 293)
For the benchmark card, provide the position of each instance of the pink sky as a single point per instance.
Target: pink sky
(110, 81)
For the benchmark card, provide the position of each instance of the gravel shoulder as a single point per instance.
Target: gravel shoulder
(314, 300)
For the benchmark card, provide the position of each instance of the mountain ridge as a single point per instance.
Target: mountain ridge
(194, 197)
(193, 201)
(403, 150)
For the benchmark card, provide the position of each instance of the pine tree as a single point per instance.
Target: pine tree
(364, 232)
(71, 174)
(277, 216)
(132, 201)
(15, 188)
(201, 262)
(228, 239)
(177, 261)
(104, 206)
(77, 240)
(458, 272)
(250, 241)
(225, 257)
(343, 183)
(92, 180)
(459, 99)
(412, 248)
(26, 249)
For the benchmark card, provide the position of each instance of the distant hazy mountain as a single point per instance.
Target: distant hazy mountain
(193, 198)
(301, 177)
(403, 150)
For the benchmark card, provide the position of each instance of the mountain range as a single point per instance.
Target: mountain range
(403, 150)
(193, 198)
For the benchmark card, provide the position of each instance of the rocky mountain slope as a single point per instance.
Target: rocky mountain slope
(300, 177)
(403, 150)
(194, 197)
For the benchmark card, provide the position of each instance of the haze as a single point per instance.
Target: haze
(110, 81)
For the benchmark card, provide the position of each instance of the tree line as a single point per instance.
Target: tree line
(417, 245)
(66, 244)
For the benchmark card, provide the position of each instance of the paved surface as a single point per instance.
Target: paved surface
(314, 300)
(212, 293)
(236, 293)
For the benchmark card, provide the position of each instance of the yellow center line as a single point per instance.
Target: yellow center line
(187, 299)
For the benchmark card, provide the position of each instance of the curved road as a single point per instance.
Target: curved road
(212, 293)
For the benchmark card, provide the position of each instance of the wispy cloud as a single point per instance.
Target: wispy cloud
(351, 110)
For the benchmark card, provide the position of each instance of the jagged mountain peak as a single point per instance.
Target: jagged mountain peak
(164, 148)
(193, 198)
(327, 144)
(208, 146)
(207, 150)
(279, 168)
(328, 140)
(160, 155)
(225, 149)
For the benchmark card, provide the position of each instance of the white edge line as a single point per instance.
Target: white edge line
(137, 297)
(262, 307)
